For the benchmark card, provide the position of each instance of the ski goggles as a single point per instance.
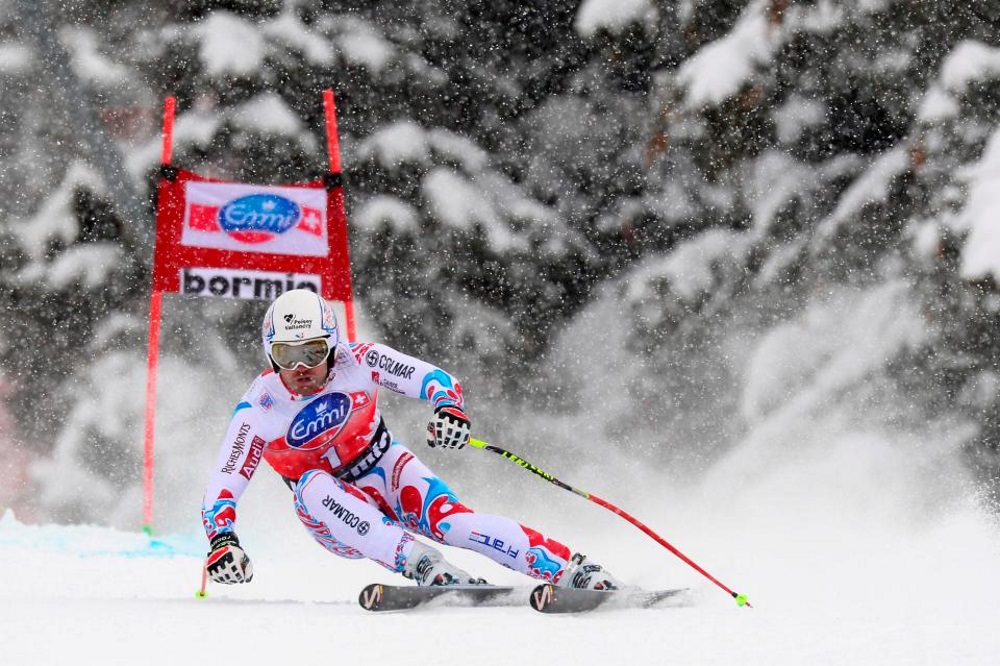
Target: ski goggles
(290, 355)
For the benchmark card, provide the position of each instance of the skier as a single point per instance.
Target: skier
(361, 493)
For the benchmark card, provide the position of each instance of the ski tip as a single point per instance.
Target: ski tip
(370, 597)
(542, 596)
(550, 598)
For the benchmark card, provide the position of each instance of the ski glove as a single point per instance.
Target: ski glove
(449, 429)
(227, 563)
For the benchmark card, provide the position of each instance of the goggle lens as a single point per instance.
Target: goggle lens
(309, 354)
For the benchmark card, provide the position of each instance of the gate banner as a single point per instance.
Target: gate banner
(223, 239)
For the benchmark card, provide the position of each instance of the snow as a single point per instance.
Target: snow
(290, 31)
(870, 187)
(395, 145)
(823, 18)
(796, 115)
(269, 113)
(937, 105)
(399, 215)
(363, 46)
(195, 127)
(979, 253)
(720, 69)
(459, 150)
(829, 348)
(88, 63)
(460, 203)
(460, 187)
(87, 265)
(230, 45)
(688, 269)
(968, 62)
(407, 143)
(611, 15)
(15, 58)
(55, 220)
(841, 559)
(778, 179)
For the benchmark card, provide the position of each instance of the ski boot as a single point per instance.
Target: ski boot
(427, 566)
(583, 573)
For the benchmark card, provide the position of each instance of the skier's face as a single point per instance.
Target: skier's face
(305, 381)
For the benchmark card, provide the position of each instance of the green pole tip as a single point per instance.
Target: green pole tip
(147, 530)
(741, 600)
(201, 594)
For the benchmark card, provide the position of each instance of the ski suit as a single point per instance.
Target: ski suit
(358, 491)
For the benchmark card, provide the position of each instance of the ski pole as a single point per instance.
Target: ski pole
(203, 591)
(741, 599)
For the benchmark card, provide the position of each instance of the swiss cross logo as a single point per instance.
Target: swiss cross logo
(359, 399)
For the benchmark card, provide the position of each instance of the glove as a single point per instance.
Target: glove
(227, 563)
(449, 429)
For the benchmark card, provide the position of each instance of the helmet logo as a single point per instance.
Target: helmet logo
(294, 324)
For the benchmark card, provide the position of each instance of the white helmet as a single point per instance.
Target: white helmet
(296, 316)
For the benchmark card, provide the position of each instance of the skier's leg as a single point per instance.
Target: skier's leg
(423, 503)
(348, 523)
(345, 522)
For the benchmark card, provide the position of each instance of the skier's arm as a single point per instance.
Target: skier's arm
(410, 376)
(235, 465)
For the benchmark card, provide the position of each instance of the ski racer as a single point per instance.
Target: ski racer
(313, 417)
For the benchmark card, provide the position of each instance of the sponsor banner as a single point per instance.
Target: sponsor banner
(247, 241)
(246, 284)
(255, 218)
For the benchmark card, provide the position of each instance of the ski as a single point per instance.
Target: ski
(380, 597)
(549, 598)
(546, 598)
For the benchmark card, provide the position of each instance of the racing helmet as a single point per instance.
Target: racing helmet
(297, 317)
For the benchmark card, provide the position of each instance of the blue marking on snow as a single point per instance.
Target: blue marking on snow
(95, 541)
